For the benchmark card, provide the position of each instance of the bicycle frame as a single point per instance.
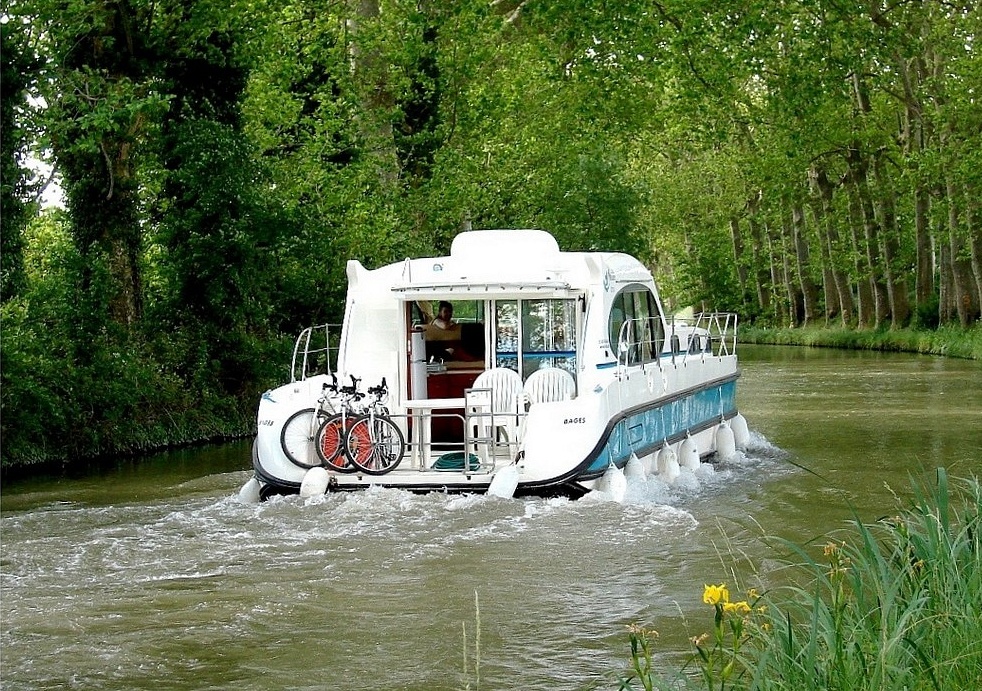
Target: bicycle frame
(374, 443)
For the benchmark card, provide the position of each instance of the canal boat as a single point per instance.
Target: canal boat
(555, 373)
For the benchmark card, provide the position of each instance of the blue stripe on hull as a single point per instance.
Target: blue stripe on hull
(643, 431)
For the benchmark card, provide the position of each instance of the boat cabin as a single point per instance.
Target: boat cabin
(518, 303)
(493, 353)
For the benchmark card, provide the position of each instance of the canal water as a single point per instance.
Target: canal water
(152, 575)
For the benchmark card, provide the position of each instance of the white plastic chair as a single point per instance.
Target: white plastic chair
(506, 392)
(549, 384)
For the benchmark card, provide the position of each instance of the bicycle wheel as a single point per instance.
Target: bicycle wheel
(297, 438)
(330, 444)
(375, 445)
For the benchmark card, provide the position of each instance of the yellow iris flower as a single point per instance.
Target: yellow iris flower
(716, 594)
(741, 608)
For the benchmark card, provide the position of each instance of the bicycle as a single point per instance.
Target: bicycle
(300, 429)
(332, 435)
(374, 443)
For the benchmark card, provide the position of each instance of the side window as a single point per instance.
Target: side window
(642, 348)
(506, 334)
(643, 334)
(656, 332)
(532, 334)
(618, 314)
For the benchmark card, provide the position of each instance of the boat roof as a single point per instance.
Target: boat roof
(501, 263)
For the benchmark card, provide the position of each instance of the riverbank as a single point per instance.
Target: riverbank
(950, 341)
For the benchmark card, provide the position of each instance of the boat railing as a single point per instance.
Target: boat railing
(642, 340)
(477, 452)
(315, 351)
(639, 340)
(706, 333)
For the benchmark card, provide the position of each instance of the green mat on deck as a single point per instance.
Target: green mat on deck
(455, 461)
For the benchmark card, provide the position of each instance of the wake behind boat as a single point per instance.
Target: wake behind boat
(508, 366)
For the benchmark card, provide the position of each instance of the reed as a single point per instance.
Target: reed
(476, 652)
(889, 605)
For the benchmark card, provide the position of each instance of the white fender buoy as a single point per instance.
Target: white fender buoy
(618, 483)
(249, 494)
(741, 433)
(603, 484)
(634, 470)
(668, 464)
(650, 464)
(672, 471)
(613, 483)
(314, 482)
(725, 444)
(504, 482)
(666, 456)
(689, 454)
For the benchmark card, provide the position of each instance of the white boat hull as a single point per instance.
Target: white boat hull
(566, 446)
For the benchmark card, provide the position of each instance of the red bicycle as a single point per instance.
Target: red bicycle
(334, 432)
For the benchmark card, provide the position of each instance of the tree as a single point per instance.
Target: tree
(18, 73)
(101, 102)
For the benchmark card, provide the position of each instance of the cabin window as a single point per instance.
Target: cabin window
(506, 334)
(635, 323)
(532, 334)
(618, 315)
(423, 312)
(548, 335)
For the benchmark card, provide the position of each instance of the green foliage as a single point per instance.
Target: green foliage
(223, 160)
(119, 400)
(66, 397)
(18, 72)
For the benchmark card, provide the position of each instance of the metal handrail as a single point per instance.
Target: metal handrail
(315, 351)
(706, 333)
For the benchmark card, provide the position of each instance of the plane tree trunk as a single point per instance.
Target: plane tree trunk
(964, 296)
(833, 250)
(739, 258)
(761, 264)
(809, 291)
(889, 237)
(375, 95)
(100, 117)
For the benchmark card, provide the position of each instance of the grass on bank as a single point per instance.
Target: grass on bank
(892, 605)
(951, 341)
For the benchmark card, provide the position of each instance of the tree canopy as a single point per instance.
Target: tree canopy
(798, 162)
